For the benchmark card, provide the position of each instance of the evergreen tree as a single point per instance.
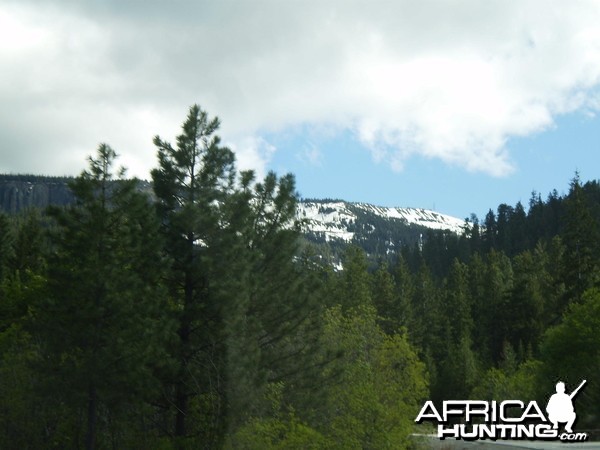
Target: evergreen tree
(192, 184)
(6, 245)
(571, 350)
(244, 304)
(526, 302)
(28, 244)
(385, 299)
(536, 227)
(458, 303)
(354, 286)
(520, 240)
(490, 231)
(405, 290)
(553, 259)
(100, 323)
(503, 227)
(458, 363)
(581, 239)
(493, 320)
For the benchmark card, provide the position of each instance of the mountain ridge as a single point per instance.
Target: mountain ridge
(332, 222)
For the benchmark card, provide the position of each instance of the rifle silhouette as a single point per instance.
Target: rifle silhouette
(577, 390)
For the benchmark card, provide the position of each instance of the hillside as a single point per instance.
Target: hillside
(20, 192)
(378, 230)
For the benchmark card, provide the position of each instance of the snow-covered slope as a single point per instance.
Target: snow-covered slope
(337, 220)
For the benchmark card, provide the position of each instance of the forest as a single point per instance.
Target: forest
(195, 317)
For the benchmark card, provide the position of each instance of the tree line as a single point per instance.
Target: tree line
(510, 306)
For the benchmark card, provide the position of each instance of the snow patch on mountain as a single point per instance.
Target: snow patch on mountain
(334, 219)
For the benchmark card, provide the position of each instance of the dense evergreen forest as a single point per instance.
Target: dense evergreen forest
(195, 316)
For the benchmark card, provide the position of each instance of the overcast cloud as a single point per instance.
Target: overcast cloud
(452, 80)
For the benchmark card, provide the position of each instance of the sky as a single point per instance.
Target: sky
(453, 105)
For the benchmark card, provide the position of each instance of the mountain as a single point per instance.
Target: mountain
(329, 224)
(339, 220)
(20, 192)
(378, 230)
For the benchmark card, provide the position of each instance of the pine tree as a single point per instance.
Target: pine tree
(354, 288)
(244, 304)
(520, 241)
(581, 239)
(385, 300)
(458, 303)
(490, 231)
(6, 245)
(192, 184)
(496, 320)
(503, 227)
(100, 323)
(405, 290)
(525, 306)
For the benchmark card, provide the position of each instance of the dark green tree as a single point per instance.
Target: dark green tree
(571, 351)
(489, 306)
(525, 304)
(242, 300)
(6, 245)
(490, 231)
(520, 239)
(354, 286)
(193, 184)
(100, 322)
(581, 238)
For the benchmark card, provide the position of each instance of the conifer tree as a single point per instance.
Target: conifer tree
(193, 183)
(525, 306)
(490, 231)
(6, 245)
(242, 304)
(385, 300)
(100, 322)
(496, 320)
(458, 303)
(581, 239)
(354, 288)
(520, 241)
(405, 290)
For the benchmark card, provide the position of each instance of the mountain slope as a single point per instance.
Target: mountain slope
(333, 223)
(379, 231)
(339, 220)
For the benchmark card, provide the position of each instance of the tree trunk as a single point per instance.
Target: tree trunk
(90, 437)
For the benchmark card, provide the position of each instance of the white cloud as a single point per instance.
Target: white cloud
(252, 153)
(447, 80)
(311, 155)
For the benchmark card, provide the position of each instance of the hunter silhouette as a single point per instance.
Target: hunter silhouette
(560, 407)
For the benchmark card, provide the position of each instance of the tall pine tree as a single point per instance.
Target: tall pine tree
(100, 322)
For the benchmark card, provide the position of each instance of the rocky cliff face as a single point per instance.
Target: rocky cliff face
(18, 192)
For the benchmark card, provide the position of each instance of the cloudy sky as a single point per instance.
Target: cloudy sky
(456, 105)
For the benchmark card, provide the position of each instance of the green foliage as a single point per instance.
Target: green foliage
(354, 286)
(571, 352)
(391, 309)
(100, 319)
(522, 382)
(199, 318)
(245, 303)
(281, 428)
(382, 383)
(580, 236)
(278, 434)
